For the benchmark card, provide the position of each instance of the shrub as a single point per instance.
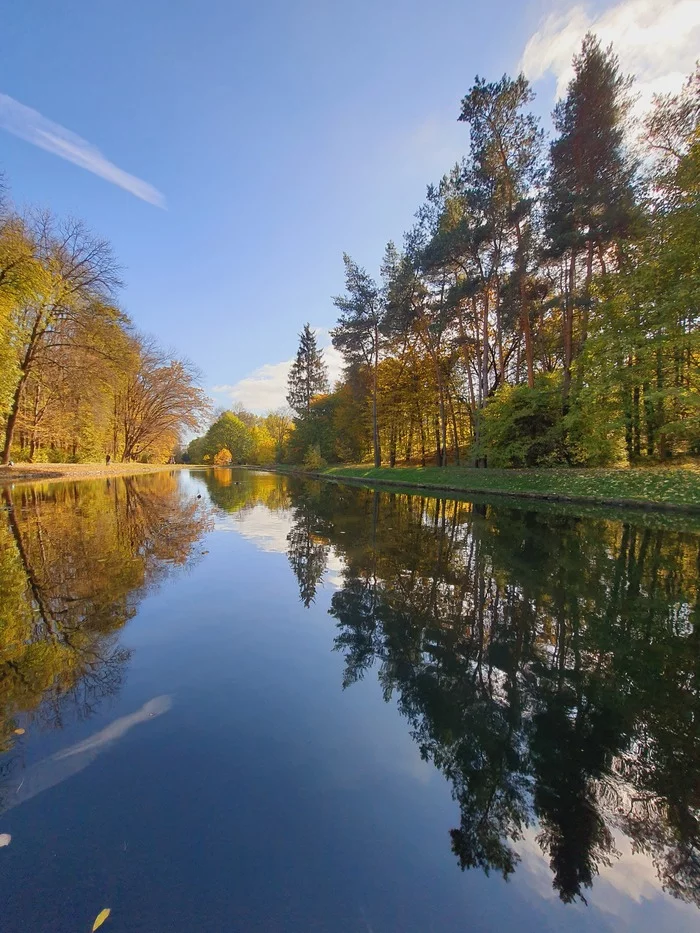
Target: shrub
(313, 459)
(522, 427)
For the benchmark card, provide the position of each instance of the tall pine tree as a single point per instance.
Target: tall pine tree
(590, 204)
(358, 333)
(308, 376)
(506, 143)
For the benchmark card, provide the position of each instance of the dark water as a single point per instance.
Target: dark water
(308, 707)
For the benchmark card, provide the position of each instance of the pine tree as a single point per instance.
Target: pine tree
(308, 376)
(506, 143)
(358, 333)
(590, 203)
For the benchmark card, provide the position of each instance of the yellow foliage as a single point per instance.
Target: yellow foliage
(264, 444)
(223, 457)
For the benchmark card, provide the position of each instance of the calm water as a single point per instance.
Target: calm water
(291, 706)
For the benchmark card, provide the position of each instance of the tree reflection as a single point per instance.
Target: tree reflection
(243, 490)
(548, 665)
(308, 544)
(75, 561)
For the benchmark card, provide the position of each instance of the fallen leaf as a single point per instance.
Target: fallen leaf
(5, 839)
(19, 731)
(100, 918)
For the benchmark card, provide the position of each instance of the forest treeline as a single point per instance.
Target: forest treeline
(544, 308)
(77, 381)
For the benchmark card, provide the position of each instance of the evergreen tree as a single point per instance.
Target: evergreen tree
(358, 334)
(590, 203)
(506, 144)
(308, 376)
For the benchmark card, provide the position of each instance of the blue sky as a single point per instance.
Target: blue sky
(232, 151)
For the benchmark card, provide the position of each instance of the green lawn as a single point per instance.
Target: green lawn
(659, 485)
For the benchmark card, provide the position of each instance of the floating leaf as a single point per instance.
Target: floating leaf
(19, 731)
(100, 918)
(5, 839)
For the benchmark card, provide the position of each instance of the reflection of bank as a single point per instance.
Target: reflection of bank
(545, 665)
(75, 561)
(64, 764)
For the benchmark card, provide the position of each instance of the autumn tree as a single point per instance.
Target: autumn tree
(158, 399)
(20, 273)
(279, 425)
(72, 295)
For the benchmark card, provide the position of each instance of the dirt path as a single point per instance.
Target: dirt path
(33, 472)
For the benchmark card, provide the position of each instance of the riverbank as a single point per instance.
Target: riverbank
(676, 489)
(35, 472)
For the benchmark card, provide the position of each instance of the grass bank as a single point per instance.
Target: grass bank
(647, 487)
(35, 472)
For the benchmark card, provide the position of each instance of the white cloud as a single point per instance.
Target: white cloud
(268, 530)
(36, 129)
(266, 387)
(656, 40)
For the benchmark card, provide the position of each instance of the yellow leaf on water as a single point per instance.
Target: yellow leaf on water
(100, 918)
(19, 731)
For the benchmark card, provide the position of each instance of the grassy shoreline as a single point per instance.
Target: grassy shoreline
(646, 488)
(54, 472)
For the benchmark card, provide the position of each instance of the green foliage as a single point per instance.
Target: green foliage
(248, 438)
(316, 429)
(227, 433)
(593, 428)
(313, 460)
(522, 427)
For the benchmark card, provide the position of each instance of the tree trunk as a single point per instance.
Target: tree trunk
(649, 420)
(527, 331)
(627, 407)
(659, 407)
(568, 332)
(485, 352)
(455, 433)
(409, 440)
(12, 418)
(375, 426)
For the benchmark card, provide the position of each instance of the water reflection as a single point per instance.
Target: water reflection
(75, 560)
(547, 664)
(62, 765)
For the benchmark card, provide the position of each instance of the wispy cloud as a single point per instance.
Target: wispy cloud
(36, 129)
(656, 40)
(266, 387)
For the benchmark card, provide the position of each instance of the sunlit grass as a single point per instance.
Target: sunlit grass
(674, 486)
